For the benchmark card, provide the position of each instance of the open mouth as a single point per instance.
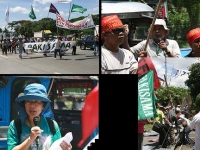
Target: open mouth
(121, 36)
(32, 111)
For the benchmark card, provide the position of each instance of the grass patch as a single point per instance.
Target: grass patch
(148, 127)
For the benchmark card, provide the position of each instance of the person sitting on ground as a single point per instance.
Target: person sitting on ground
(193, 38)
(158, 46)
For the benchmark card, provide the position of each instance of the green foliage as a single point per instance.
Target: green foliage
(193, 81)
(197, 100)
(27, 28)
(178, 94)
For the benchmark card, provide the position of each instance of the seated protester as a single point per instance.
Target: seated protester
(115, 60)
(158, 127)
(158, 45)
(193, 38)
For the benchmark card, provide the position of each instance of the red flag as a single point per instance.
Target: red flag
(90, 113)
(53, 9)
(144, 65)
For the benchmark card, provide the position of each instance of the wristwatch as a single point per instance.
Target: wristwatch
(168, 52)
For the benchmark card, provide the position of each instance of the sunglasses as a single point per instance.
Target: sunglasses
(118, 30)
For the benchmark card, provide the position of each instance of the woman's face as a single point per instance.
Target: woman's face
(34, 107)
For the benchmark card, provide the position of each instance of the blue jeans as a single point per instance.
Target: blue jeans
(187, 136)
(96, 50)
(55, 52)
(20, 52)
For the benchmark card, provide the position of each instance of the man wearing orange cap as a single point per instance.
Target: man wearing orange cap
(115, 60)
(193, 38)
(158, 45)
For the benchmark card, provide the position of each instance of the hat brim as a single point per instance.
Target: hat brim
(32, 97)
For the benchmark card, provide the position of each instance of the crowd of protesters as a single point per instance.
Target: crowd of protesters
(169, 120)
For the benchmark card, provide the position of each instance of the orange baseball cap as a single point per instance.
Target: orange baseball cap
(193, 35)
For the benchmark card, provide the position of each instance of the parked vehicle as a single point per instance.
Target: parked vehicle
(136, 14)
(86, 42)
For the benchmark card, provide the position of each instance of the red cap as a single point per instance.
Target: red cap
(193, 35)
(110, 22)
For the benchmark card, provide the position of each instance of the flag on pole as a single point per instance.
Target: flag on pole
(146, 97)
(77, 8)
(64, 1)
(90, 114)
(53, 9)
(144, 65)
(7, 15)
(32, 14)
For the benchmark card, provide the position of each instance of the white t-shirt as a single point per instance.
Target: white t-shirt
(195, 124)
(58, 44)
(122, 62)
(153, 49)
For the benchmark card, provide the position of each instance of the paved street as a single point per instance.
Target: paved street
(35, 63)
(147, 143)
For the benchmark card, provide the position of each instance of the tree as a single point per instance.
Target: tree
(27, 28)
(178, 94)
(193, 81)
(197, 101)
(193, 10)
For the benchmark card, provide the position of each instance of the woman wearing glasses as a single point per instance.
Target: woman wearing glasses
(34, 110)
(115, 60)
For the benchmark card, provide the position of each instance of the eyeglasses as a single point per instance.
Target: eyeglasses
(118, 30)
(33, 102)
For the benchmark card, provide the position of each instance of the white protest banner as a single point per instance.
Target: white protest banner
(78, 25)
(48, 47)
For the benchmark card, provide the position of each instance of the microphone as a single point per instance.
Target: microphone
(36, 122)
(160, 39)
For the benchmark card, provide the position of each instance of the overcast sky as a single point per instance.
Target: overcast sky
(181, 64)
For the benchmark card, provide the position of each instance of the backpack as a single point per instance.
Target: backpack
(18, 126)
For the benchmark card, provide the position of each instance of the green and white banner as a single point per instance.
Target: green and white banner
(146, 98)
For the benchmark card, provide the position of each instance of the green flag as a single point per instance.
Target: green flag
(32, 14)
(76, 8)
(146, 98)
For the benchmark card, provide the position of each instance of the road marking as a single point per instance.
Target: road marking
(4, 56)
(57, 73)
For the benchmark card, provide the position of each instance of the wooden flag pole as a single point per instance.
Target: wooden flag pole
(153, 22)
